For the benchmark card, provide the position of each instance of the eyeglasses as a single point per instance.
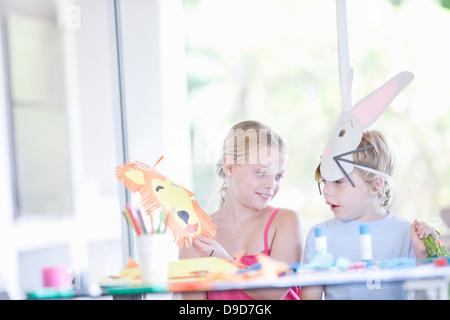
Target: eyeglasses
(320, 184)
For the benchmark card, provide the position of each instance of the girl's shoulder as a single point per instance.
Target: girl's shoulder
(287, 212)
(287, 216)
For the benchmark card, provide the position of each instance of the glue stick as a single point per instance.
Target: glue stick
(320, 239)
(365, 242)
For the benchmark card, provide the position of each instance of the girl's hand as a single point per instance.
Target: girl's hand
(207, 247)
(420, 230)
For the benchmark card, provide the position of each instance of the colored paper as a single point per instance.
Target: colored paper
(186, 268)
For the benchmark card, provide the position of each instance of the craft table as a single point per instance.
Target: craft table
(423, 277)
(431, 279)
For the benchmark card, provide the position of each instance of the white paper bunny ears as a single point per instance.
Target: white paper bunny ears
(336, 161)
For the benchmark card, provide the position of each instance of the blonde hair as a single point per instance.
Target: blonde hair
(381, 158)
(242, 143)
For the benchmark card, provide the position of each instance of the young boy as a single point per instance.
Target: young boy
(361, 197)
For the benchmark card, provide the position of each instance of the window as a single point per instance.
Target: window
(272, 61)
(385, 38)
(277, 62)
(39, 114)
(62, 97)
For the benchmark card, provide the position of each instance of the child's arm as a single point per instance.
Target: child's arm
(286, 246)
(311, 293)
(420, 230)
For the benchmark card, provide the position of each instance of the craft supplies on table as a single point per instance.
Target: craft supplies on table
(212, 273)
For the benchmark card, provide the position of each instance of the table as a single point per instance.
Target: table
(423, 277)
(419, 280)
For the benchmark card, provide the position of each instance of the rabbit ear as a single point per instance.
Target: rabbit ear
(347, 103)
(372, 106)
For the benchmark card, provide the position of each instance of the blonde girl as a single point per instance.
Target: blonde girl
(252, 165)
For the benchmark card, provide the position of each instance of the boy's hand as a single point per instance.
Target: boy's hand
(420, 230)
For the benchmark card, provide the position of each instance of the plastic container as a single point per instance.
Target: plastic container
(365, 242)
(320, 239)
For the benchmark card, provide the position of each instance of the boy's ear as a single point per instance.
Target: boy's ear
(377, 184)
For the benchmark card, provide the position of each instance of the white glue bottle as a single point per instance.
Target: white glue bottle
(320, 239)
(365, 243)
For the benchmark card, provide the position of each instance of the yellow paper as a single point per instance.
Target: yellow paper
(186, 268)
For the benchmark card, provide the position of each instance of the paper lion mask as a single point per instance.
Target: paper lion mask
(186, 219)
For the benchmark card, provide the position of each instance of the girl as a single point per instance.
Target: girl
(252, 166)
(364, 200)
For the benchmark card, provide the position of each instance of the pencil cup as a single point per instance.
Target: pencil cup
(58, 277)
(153, 254)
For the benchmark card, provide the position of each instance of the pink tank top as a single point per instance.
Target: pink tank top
(249, 260)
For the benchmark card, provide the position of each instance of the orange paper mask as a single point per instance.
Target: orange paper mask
(186, 219)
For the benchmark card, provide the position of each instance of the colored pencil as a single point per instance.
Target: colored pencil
(136, 221)
(128, 218)
(141, 221)
(133, 219)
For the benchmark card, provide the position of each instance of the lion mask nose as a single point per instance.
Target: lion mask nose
(183, 215)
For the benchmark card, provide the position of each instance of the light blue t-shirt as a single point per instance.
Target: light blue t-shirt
(391, 238)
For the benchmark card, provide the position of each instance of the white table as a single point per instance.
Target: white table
(430, 278)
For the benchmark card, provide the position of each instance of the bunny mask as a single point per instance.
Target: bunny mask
(336, 161)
